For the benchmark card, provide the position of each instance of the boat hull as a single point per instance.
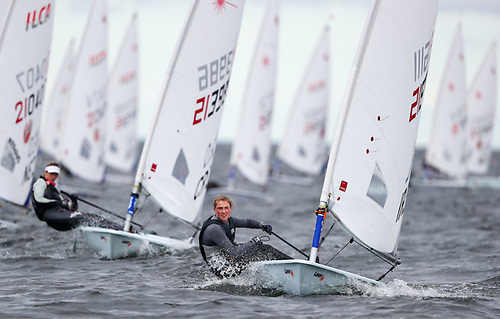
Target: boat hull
(302, 278)
(492, 182)
(116, 244)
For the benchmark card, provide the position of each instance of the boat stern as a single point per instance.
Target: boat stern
(113, 244)
(302, 277)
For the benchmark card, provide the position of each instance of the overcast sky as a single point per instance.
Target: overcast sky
(160, 22)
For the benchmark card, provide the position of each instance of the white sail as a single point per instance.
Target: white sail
(82, 143)
(25, 40)
(448, 149)
(303, 146)
(252, 146)
(372, 153)
(52, 124)
(177, 156)
(481, 105)
(121, 114)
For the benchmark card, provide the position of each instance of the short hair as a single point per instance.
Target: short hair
(53, 163)
(222, 198)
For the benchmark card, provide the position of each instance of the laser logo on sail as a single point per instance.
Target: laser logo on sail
(220, 5)
(97, 58)
(37, 17)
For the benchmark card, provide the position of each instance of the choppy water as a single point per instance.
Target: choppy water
(449, 246)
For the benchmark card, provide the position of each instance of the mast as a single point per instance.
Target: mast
(326, 190)
(6, 23)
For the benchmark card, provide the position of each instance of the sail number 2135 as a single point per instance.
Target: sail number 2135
(210, 75)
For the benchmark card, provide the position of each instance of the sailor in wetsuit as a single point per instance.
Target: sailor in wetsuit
(58, 212)
(224, 256)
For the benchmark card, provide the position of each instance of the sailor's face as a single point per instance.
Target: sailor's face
(223, 210)
(51, 176)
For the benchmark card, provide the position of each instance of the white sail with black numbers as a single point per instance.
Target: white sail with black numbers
(372, 153)
(178, 153)
(25, 40)
(52, 124)
(481, 105)
(121, 114)
(447, 149)
(82, 142)
(303, 146)
(251, 148)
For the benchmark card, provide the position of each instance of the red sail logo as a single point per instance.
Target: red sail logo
(127, 77)
(97, 58)
(27, 131)
(37, 17)
(220, 5)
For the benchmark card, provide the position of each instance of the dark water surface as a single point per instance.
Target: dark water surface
(449, 247)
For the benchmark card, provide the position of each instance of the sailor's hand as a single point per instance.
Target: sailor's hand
(65, 204)
(266, 227)
(256, 240)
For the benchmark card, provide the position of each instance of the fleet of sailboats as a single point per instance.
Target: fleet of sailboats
(24, 25)
(177, 156)
(460, 146)
(367, 178)
(91, 123)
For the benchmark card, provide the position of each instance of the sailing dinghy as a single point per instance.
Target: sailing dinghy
(251, 149)
(177, 156)
(303, 146)
(445, 160)
(24, 25)
(81, 148)
(52, 122)
(366, 181)
(481, 106)
(121, 115)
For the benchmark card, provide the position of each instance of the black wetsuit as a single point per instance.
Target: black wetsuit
(229, 258)
(49, 207)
